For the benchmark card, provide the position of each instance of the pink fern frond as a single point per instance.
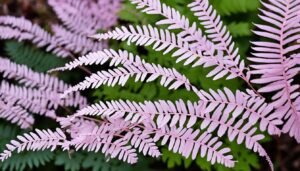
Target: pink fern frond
(101, 139)
(190, 143)
(40, 102)
(101, 57)
(142, 140)
(218, 33)
(38, 140)
(15, 114)
(214, 110)
(23, 29)
(253, 108)
(86, 17)
(175, 20)
(42, 82)
(169, 77)
(162, 40)
(74, 42)
(275, 63)
(220, 103)
(29, 78)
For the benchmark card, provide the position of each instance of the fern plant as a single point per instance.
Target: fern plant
(123, 127)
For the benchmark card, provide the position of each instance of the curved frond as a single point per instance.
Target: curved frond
(40, 102)
(142, 140)
(38, 140)
(101, 139)
(141, 70)
(115, 58)
(273, 61)
(162, 40)
(175, 20)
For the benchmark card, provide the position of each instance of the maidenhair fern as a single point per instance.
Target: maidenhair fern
(122, 128)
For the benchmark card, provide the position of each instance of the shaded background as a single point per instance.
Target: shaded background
(238, 15)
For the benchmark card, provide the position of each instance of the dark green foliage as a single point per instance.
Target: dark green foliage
(96, 162)
(70, 162)
(229, 7)
(27, 160)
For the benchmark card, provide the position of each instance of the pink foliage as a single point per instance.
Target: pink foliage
(275, 60)
(85, 17)
(22, 29)
(42, 139)
(80, 18)
(40, 94)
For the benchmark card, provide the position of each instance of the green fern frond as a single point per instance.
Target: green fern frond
(70, 162)
(27, 160)
(7, 132)
(34, 58)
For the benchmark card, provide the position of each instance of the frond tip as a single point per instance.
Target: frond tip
(38, 140)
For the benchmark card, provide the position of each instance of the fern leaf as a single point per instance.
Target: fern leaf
(218, 33)
(34, 100)
(30, 78)
(273, 63)
(169, 77)
(15, 114)
(213, 109)
(190, 143)
(41, 140)
(101, 57)
(162, 40)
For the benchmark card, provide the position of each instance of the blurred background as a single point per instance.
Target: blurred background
(238, 15)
